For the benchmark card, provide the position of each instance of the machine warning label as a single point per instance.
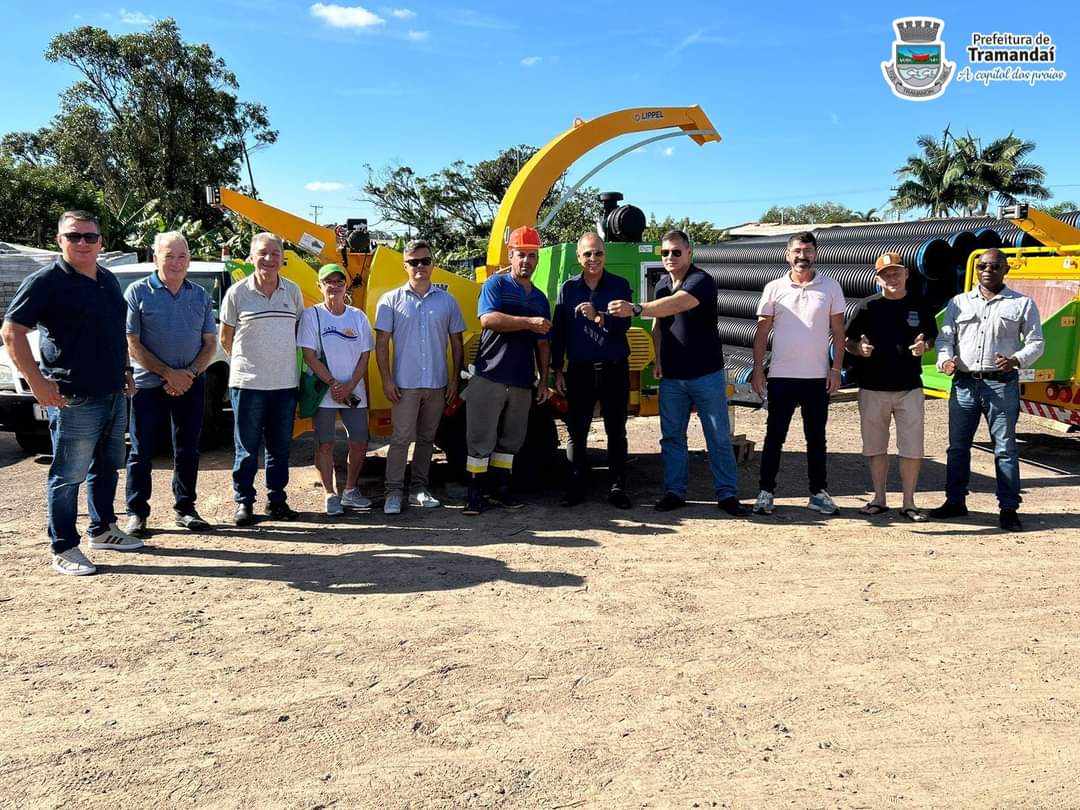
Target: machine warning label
(311, 244)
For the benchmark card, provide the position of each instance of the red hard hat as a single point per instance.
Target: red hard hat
(524, 237)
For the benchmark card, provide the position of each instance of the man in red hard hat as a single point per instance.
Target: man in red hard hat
(516, 321)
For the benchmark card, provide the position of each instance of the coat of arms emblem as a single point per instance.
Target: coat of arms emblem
(918, 71)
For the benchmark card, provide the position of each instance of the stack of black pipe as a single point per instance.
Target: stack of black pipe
(935, 251)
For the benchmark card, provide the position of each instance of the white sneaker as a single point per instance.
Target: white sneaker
(764, 503)
(392, 505)
(73, 563)
(424, 499)
(333, 505)
(354, 500)
(823, 502)
(114, 540)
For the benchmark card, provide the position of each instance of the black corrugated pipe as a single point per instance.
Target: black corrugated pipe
(929, 257)
(744, 303)
(962, 243)
(738, 331)
(857, 281)
(986, 239)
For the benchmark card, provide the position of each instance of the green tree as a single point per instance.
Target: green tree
(809, 213)
(1000, 171)
(455, 207)
(152, 117)
(700, 233)
(934, 180)
(33, 197)
(1057, 209)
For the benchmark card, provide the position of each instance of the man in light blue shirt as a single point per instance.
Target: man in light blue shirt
(420, 318)
(172, 339)
(987, 334)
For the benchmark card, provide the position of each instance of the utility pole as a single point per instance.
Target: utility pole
(315, 209)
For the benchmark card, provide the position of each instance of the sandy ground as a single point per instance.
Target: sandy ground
(553, 658)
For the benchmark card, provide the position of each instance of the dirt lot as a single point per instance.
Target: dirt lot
(555, 658)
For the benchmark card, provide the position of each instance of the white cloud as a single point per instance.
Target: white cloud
(400, 13)
(134, 17)
(417, 36)
(346, 16)
(668, 151)
(529, 61)
(324, 185)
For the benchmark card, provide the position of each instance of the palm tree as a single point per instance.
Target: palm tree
(1000, 170)
(870, 215)
(934, 180)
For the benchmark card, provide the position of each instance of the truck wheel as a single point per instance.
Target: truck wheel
(34, 442)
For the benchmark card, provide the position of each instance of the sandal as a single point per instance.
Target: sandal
(873, 509)
(914, 515)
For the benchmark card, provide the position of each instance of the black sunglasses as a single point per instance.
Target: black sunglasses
(76, 237)
(588, 254)
(676, 252)
(982, 265)
(424, 262)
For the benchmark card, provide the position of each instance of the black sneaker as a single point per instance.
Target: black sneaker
(282, 511)
(1010, 521)
(572, 497)
(733, 507)
(191, 520)
(949, 509)
(473, 506)
(618, 498)
(505, 499)
(668, 502)
(245, 515)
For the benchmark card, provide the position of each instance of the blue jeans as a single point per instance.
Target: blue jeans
(262, 416)
(999, 402)
(88, 445)
(151, 408)
(709, 395)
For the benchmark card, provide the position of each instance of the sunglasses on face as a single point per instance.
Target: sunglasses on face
(989, 265)
(424, 262)
(676, 252)
(588, 254)
(90, 238)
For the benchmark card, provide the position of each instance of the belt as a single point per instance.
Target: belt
(997, 376)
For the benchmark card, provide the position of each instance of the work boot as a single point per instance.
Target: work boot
(574, 493)
(474, 500)
(500, 493)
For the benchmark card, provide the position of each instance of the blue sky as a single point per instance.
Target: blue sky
(796, 91)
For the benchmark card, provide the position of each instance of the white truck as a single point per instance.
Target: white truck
(20, 414)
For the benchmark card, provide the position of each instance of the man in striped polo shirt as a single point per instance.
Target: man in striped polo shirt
(258, 330)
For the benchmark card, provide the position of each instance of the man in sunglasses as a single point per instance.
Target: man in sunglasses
(516, 322)
(79, 311)
(595, 346)
(420, 319)
(690, 367)
(987, 334)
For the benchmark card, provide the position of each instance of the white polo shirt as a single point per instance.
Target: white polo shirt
(801, 316)
(264, 347)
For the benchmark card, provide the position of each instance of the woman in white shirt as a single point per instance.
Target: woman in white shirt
(343, 334)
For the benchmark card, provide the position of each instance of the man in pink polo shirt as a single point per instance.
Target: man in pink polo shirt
(801, 310)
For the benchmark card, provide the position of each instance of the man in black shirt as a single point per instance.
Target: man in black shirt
(690, 367)
(595, 345)
(889, 334)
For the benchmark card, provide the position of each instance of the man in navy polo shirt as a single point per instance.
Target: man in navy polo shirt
(172, 339)
(516, 320)
(79, 312)
(595, 345)
(690, 367)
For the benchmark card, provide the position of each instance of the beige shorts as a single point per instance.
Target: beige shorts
(876, 409)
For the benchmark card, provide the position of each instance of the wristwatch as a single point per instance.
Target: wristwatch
(636, 309)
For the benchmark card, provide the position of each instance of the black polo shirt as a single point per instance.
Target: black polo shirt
(891, 325)
(690, 346)
(81, 324)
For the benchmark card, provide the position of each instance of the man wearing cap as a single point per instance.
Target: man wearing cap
(801, 310)
(78, 309)
(690, 367)
(172, 339)
(596, 348)
(258, 329)
(888, 335)
(420, 319)
(986, 335)
(516, 321)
